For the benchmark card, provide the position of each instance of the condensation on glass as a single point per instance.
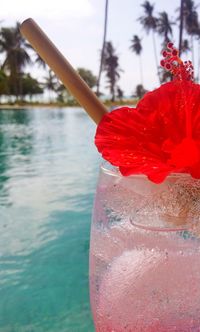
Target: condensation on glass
(145, 254)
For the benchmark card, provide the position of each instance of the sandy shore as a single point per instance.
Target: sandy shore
(7, 107)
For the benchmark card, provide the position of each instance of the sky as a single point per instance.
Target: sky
(76, 28)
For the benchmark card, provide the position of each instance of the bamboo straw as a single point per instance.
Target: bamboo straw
(62, 68)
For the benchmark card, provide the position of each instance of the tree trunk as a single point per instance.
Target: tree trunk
(112, 90)
(181, 28)
(198, 67)
(192, 49)
(141, 70)
(155, 55)
(103, 47)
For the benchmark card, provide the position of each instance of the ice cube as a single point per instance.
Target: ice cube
(151, 290)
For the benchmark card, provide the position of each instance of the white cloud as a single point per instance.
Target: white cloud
(59, 9)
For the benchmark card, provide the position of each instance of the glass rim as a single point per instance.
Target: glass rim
(111, 170)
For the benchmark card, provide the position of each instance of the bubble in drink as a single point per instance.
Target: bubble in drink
(150, 290)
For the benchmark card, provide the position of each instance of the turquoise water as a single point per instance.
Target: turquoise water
(48, 173)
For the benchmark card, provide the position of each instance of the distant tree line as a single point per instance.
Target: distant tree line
(160, 26)
(17, 56)
(16, 83)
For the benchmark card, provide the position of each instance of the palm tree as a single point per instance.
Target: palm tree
(185, 47)
(111, 67)
(87, 76)
(40, 62)
(191, 21)
(51, 83)
(136, 47)
(139, 91)
(181, 27)
(191, 17)
(103, 47)
(198, 66)
(120, 94)
(149, 22)
(164, 26)
(3, 83)
(30, 86)
(14, 46)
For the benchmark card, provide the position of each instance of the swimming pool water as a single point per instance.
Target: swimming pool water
(48, 173)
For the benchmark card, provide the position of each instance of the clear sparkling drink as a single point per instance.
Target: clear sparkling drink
(145, 254)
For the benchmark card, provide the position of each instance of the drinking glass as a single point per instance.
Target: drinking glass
(145, 254)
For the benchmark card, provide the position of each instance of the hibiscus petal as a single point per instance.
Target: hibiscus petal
(160, 136)
(124, 133)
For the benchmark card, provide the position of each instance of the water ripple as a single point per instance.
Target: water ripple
(48, 171)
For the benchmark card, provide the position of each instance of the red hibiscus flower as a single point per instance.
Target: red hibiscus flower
(158, 137)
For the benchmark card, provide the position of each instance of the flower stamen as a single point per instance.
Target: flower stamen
(173, 63)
